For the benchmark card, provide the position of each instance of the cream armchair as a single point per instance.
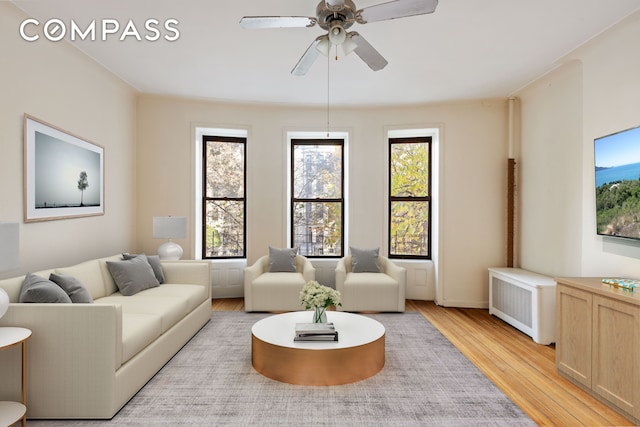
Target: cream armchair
(265, 290)
(369, 291)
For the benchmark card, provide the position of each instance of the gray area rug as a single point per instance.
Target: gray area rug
(426, 381)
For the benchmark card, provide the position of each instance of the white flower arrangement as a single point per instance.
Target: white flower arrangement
(314, 295)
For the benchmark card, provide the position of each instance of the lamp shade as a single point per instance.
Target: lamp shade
(169, 227)
(9, 245)
(337, 34)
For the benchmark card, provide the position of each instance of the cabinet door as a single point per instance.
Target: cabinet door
(616, 335)
(573, 333)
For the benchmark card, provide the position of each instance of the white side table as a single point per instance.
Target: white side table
(10, 412)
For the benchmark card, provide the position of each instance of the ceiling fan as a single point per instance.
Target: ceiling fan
(336, 16)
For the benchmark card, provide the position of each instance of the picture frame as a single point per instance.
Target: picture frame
(63, 173)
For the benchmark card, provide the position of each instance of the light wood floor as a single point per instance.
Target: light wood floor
(524, 371)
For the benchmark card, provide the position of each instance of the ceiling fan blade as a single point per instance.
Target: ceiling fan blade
(308, 58)
(396, 9)
(367, 53)
(257, 22)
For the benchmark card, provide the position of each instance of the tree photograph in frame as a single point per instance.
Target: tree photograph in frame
(63, 174)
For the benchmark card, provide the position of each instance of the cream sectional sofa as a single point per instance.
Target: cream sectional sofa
(88, 360)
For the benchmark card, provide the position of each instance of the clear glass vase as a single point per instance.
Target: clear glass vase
(320, 314)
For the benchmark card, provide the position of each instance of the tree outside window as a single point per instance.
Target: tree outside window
(224, 202)
(317, 197)
(410, 197)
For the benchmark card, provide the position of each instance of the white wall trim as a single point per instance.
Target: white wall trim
(198, 130)
(434, 286)
(314, 134)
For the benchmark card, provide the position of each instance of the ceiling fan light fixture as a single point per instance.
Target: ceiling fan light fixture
(324, 45)
(334, 5)
(337, 34)
(349, 45)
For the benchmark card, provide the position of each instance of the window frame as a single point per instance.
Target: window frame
(340, 142)
(428, 140)
(228, 139)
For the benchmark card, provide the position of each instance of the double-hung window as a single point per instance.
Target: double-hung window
(410, 197)
(317, 196)
(224, 197)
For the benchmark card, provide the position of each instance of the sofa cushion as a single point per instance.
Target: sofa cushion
(90, 274)
(169, 309)
(40, 290)
(109, 284)
(364, 260)
(370, 279)
(138, 331)
(72, 287)
(282, 260)
(133, 275)
(154, 262)
(276, 279)
(370, 292)
(13, 286)
(194, 294)
(277, 291)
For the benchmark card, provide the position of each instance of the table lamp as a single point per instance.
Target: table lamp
(169, 227)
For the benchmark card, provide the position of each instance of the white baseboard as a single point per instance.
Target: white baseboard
(227, 292)
(464, 304)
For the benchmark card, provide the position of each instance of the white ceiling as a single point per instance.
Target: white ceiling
(467, 49)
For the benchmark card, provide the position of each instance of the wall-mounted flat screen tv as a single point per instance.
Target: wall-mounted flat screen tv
(617, 169)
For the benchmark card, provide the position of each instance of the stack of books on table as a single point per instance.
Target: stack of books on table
(315, 332)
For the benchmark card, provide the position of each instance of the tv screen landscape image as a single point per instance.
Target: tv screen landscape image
(617, 172)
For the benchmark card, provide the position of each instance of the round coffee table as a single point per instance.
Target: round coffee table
(359, 353)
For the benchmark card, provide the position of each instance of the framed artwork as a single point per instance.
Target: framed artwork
(63, 174)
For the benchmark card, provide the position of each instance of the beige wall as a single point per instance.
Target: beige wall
(595, 92)
(57, 84)
(550, 173)
(149, 158)
(472, 178)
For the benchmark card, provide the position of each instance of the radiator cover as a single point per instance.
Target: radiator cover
(525, 300)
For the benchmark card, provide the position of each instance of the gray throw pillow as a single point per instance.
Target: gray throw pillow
(72, 287)
(132, 276)
(282, 260)
(154, 262)
(364, 260)
(38, 289)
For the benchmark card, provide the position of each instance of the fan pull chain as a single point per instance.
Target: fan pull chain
(328, 92)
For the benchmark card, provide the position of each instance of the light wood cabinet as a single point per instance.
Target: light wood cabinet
(598, 341)
(574, 333)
